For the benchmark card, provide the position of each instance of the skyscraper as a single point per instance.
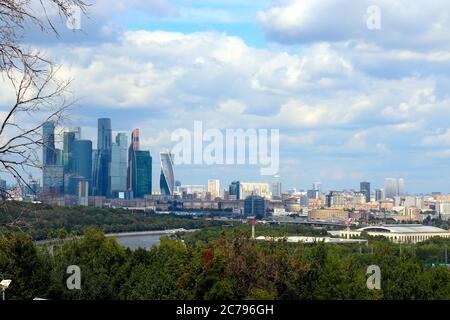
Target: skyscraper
(167, 179)
(380, 195)
(69, 138)
(276, 187)
(139, 175)
(255, 206)
(104, 142)
(48, 139)
(134, 146)
(401, 187)
(394, 187)
(53, 180)
(391, 187)
(141, 172)
(214, 188)
(119, 169)
(52, 174)
(364, 187)
(82, 159)
(235, 190)
(317, 186)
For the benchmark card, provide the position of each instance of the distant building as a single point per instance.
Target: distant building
(335, 199)
(401, 187)
(394, 187)
(167, 179)
(139, 177)
(255, 206)
(365, 188)
(234, 190)
(276, 187)
(48, 140)
(380, 195)
(53, 180)
(69, 139)
(313, 194)
(328, 215)
(254, 188)
(119, 165)
(214, 188)
(81, 154)
(83, 192)
(359, 198)
(391, 188)
(317, 186)
(102, 183)
(399, 233)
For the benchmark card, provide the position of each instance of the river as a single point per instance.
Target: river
(139, 241)
(135, 240)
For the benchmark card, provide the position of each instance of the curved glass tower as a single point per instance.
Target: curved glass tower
(167, 179)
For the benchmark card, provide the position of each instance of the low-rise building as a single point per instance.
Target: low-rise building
(398, 233)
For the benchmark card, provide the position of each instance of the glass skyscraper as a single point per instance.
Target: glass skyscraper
(53, 174)
(82, 159)
(48, 139)
(118, 169)
(103, 160)
(69, 138)
(235, 189)
(166, 179)
(365, 188)
(255, 206)
(53, 180)
(139, 176)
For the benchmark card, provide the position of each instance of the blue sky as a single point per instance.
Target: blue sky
(351, 103)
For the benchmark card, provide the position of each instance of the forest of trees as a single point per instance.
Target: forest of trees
(228, 266)
(44, 221)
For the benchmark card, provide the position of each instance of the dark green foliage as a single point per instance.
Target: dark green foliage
(44, 221)
(222, 264)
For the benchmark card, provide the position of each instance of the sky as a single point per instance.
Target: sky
(352, 103)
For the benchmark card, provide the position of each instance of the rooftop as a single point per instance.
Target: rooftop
(404, 228)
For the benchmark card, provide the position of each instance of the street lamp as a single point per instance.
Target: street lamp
(4, 284)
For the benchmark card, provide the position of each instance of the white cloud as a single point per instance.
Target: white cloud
(403, 23)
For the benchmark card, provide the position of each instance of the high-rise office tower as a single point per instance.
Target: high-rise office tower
(48, 139)
(235, 190)
(69, 139)
(139, 175)
(214, 188)
(52, 174)
(401, 187)
(141, 172)
(255, 206)
(394, 187)
(134, 146)
(380, 195)
(391, 187)
(276, 187)
(82, 159)
(364, 187)
(104, 142)
(53, 180)
(317, 186)
(119, 168)
(166, 179)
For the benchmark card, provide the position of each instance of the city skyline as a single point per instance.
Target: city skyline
(357, 105)
(74, 141)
